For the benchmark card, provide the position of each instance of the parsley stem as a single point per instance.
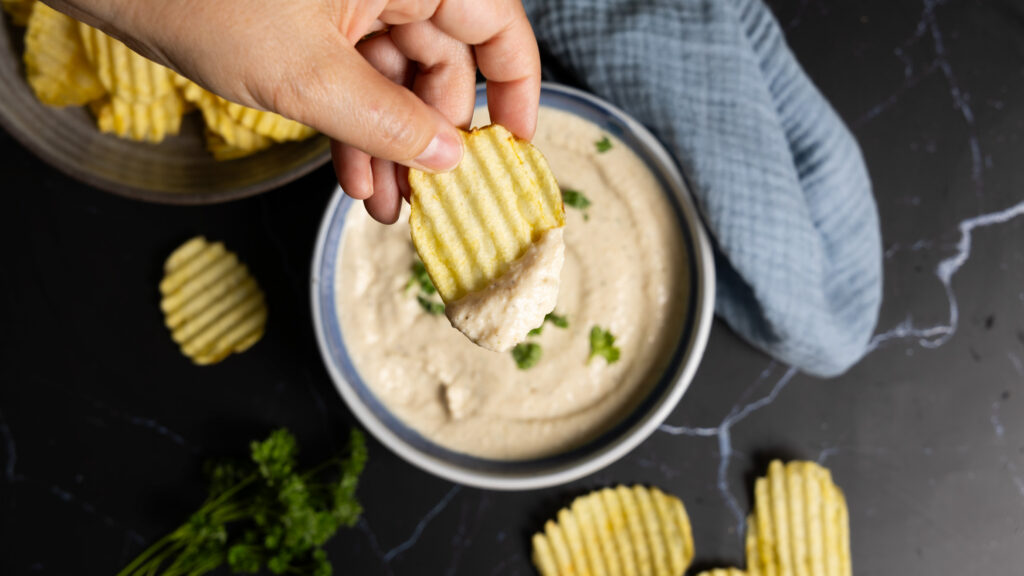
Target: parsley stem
(175, 537)
(153, 549)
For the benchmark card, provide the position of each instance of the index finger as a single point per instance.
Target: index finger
(507, 54)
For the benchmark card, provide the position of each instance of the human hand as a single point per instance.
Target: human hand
(390, 102)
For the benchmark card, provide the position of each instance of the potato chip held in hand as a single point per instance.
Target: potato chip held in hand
(211, 303)
(490, 235)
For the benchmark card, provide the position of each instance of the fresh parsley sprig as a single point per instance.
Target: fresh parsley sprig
(526, 355)
(603, 145)
(263, 514)
(577, 200)
(557, 320)
(426, 298)
(602, 343)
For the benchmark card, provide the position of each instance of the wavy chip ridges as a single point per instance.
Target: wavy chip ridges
(211, 303)
(55, 62)
(469, 224)
(627, 531)
(800, 524)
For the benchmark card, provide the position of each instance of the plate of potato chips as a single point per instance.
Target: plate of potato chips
(91, 107)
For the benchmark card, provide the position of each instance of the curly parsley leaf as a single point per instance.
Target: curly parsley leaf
(603, 145)
(602, 343)
(526, 355)
(263, 515)
(425, 297)
(576, 199)
(559, 321)
(420, 277)
(433, 308)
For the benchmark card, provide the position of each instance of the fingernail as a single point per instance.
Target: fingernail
(443, 153)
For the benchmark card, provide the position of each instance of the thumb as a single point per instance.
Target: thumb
(336, 91)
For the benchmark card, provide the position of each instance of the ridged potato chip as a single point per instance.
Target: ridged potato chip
(800, 526)
(237, 124)
(226, 139)
(55, 62)
(124, 73)
(211, 303)
(621, 531)
(222, 150)
(140, 121)
(269, 124)
(18, 10)
(723, 572)
(470, 224)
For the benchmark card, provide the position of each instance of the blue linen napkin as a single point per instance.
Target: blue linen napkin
(779, 179)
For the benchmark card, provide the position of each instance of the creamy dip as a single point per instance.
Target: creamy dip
(624, 270)
(500, 316)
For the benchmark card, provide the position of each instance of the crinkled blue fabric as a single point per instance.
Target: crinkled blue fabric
(778, 177)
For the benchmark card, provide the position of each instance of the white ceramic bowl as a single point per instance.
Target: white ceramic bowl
(599, 452)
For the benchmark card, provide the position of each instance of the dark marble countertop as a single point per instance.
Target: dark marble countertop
(103, 425)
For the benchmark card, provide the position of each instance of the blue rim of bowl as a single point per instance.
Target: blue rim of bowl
(608, 446)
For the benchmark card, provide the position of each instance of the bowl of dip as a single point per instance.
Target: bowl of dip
(638, 265)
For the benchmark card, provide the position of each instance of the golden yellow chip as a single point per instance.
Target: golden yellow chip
(620, 531)
(723, 572)
(55, 62)
(800, 526)
(150, 122)
(609, 531)
(269, 124)
(18, 10)
(125, 74)
(226, 139)
(595, 529)
(211, 304)
(470, 224)
(752, 539)
(236, 138)
(221, 150)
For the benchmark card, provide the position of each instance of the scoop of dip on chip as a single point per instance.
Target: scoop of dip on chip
(582, 365)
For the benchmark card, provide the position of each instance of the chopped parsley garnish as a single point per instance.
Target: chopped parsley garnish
(427, 291)
(433, 308)
(420, 276)
(526, 355)
(602, 343)
(559, 321)
(577, 200)
(264, 514)
(603, 145)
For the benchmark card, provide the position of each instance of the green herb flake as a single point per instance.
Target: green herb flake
(575, 198)
(263, 514)
(433, 308)
(559, 321)
(603, 145)
(602, 343)
(420, 277)
(526, 355)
